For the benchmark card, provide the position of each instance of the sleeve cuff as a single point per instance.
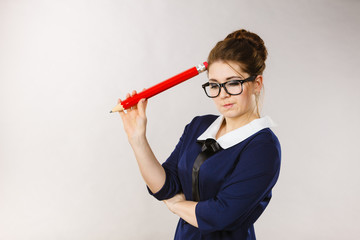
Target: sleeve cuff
(165, 192)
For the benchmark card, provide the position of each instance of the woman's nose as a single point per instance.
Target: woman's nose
(223, 93)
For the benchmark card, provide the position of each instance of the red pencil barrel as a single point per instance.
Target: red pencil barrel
(160, 87)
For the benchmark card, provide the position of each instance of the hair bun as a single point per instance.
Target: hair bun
(243, 47)
(253, 39)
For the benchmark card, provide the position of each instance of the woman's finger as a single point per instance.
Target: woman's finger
(142, 107)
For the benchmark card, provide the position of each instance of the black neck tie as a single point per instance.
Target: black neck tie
(209, 147)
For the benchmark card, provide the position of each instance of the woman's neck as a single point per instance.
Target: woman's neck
(230, 124)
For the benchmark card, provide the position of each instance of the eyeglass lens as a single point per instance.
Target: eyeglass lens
(232, 87)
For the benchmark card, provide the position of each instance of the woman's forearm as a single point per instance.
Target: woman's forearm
(186, 210)
(183, 208)
(150, 168)
(134, 120)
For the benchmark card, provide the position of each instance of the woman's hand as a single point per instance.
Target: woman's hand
(134, 119)
(170, 203)
(184, 209)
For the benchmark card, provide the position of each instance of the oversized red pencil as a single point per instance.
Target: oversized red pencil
(160, 87)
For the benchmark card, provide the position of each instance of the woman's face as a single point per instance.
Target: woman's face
(234, 106)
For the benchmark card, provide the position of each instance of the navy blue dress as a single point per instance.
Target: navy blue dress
(234, 184)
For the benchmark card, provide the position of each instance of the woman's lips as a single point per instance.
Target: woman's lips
(229, 105)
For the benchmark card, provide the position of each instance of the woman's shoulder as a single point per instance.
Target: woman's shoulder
(264, 141)
(204, 119)
(266, 135)
(200, 123)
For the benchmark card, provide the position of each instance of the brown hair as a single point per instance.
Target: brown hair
(244, 47)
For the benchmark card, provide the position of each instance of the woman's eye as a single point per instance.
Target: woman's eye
(213, 86)
(233, 83)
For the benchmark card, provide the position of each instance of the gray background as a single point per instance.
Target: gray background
(66, 169)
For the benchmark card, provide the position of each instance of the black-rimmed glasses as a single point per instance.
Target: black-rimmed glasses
(232, 87)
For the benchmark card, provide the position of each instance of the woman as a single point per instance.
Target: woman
(225, 196)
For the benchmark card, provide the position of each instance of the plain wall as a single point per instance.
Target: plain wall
(66, 168)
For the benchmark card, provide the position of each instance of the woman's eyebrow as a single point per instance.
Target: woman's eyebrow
(213, 80)
(227, 79)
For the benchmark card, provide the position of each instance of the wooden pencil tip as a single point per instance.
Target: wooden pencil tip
(117, 108)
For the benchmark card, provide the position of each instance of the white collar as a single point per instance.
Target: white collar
(236, 136)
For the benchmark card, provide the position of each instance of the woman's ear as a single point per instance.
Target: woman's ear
(258, 84)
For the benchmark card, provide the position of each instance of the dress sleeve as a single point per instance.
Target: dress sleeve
(172, 183)
(246, 192)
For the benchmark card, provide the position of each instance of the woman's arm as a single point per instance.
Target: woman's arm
(184, 209)
(134, 121)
